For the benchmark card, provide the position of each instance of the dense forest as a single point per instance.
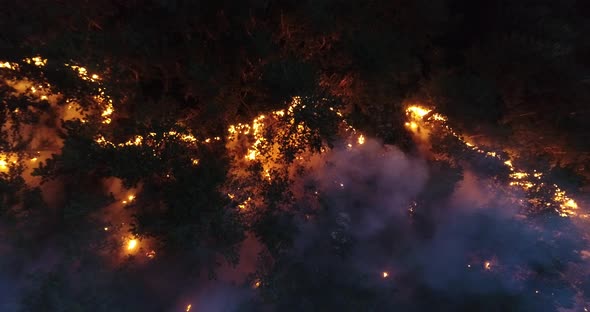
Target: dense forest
(327, 155)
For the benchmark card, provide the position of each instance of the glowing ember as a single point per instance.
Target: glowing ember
(487, 265)
(385, 274)
(151, 254)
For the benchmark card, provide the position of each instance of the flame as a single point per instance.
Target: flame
(188, 307)
(3, 165)
(519, 175)
(361, 140)
(8, 65)
(6, 160)
(129, 199)
(255, 130)
(37, 61)
(244, 205)
(132, 244)
(257, 127)
(487, 265)
(417, 111)
(106, 114)
(385, 274)
(83, 73)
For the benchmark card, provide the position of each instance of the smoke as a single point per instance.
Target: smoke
(479, 251)
(372, 184)
(8, 294)
(221, 297)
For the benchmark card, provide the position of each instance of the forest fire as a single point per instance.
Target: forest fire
(295, 156)
(262, 142)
